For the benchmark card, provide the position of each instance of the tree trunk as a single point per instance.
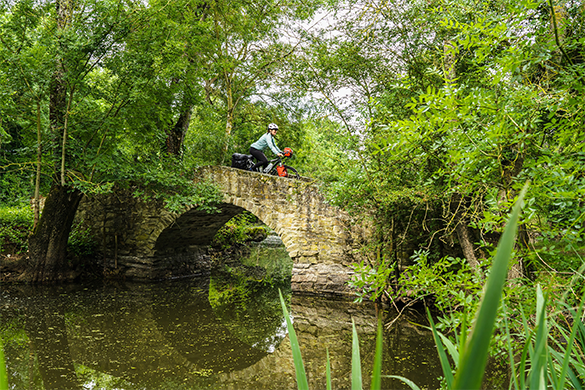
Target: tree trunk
(466, 244)
(176, 135)
(516, 272)
(58, 87)
(229, 124)
(48, 244)
(36, 202)
(458, 208)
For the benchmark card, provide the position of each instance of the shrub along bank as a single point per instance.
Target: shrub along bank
(16, 223)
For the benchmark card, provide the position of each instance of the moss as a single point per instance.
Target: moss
(256, 233)
(240, 229)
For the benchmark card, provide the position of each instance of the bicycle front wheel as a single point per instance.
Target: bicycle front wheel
(292, 173)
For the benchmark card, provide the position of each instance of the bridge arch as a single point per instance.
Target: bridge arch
(145, 241)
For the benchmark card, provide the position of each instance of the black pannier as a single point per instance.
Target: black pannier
(241, 161)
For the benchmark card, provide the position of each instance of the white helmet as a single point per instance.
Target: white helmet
(272, 126)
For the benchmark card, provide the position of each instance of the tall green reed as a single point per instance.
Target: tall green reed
(474, 353)
(356, 371)
(302, 382)
(3, 375)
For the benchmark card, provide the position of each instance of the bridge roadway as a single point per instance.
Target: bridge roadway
(142, 240)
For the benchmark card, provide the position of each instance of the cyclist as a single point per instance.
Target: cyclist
(266, 141)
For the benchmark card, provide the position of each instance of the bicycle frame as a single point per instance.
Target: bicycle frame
(270, 169)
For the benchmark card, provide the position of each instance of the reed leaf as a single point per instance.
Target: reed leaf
(514, 379)
(570, 344)
(525, 350)
(474, 356)
(328, 370)
(442, 355)
(539, 359)
(463, 337)
(410, 383)
(576, 382)
(356, 365)
(552, 373)
(377, 370)
(451, 348)
(3, 375)
(302, 383)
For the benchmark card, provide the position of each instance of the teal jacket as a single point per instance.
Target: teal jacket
(266, 141)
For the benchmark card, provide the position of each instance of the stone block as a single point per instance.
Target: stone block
(309, 253)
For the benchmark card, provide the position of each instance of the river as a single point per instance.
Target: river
(215, 332)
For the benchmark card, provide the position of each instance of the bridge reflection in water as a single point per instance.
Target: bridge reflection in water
(168, 335)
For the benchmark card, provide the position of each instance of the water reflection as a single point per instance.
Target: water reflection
(46, 330)
(192, 334)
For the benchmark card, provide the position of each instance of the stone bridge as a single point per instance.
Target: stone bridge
(142, 240)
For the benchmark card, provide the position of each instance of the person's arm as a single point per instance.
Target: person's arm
(272, 145)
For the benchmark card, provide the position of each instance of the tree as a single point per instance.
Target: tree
(248, 47)
(120, 84)
(86, 86)
(455, 110)
(78, 51)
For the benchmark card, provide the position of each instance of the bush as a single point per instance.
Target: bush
(16, 223)
(81, 243)
(238, 230)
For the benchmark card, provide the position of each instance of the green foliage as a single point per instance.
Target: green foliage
(206, 136)
(81, 243)
(14, 187)
(370, 282)
(238, 230)
(202, 195)
(321, 151)
(467, 103)
(449, 284)
(165, 180)
(15, 226)
(556, 254)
